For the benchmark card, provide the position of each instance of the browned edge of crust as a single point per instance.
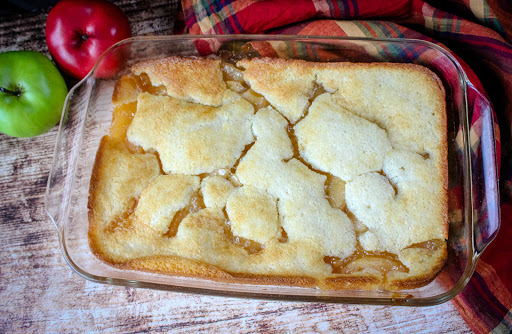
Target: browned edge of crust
(173, 59)
(198, 269)
(92, 236)
(351, 282)
(93, 228)
(419, 281)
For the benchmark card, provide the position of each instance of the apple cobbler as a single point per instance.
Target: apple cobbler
(273, 171)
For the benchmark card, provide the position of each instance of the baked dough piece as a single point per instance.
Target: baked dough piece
(336, 141)
(161, 199)
(288, 86)
(191, 138)
(118, 177)
(413, 214)
(396, 97)
(117, 180)
(253, 214)
(216, 191)
(202, 236)
(370, 242)
(207, 87)
(403, 99)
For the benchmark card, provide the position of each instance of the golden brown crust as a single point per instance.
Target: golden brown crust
(192, 138)
(173, 72)
(208, 245)
(286, 84)
(352, 282)
(93, 228)
(176, 266)
(139, 170)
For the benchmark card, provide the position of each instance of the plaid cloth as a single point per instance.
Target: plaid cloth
(477, 32)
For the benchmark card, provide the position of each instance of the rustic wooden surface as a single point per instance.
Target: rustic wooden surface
(40, 293)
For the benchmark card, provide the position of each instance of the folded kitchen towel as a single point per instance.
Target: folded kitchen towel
(478, 33)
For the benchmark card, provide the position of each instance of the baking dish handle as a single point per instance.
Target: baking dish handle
(63, 163)
(485, 193)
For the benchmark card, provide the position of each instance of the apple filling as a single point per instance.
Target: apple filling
(122, 221)
(124, 99)
(196, 204)
(382, 262)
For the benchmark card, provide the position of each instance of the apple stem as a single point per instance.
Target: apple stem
(15, 93)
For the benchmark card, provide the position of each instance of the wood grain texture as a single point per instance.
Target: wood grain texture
(40, 293)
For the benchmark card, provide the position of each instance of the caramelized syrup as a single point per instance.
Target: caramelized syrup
(176, 220)
(244, 152)
(122, 222)
(284, 236)
(381, 172)
(145, 85)
(295, 143)
(236, 86)
(129, 86)
(235, 181)
(381, 261)
(317, 91)
(121, 119)
(359, 227)
(335, 191)
(250, 246)
(232, 73)
(296, 152)
(432, 245)
(196, 204)
(257, 100)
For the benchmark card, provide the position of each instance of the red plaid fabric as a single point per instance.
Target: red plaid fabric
(479, 36)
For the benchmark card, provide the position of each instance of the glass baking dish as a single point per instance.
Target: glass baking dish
(473, 195)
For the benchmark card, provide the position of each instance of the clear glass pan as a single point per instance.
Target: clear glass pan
(473, 195)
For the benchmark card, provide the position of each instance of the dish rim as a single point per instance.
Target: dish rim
(427, 301)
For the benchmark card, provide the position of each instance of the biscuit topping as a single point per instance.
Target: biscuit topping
(277, 170)
(336, 141)
(192, 138)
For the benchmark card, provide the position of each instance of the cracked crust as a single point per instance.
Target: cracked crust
(349, 183)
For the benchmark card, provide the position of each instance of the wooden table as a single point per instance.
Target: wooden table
(40, 293)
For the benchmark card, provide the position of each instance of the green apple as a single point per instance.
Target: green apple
(32, 93)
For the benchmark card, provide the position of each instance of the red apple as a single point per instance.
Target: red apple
(79, 31)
